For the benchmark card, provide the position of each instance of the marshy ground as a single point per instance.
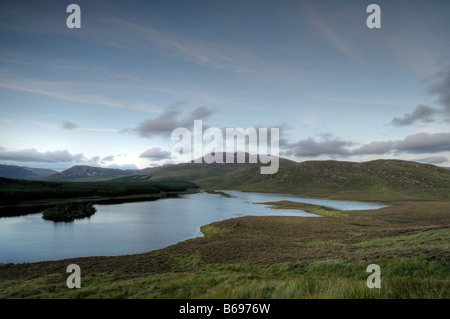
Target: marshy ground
(269, 257)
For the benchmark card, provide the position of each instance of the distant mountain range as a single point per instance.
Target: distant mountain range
(84, 173)
(76, 173)
(314, 178)
(26, 173)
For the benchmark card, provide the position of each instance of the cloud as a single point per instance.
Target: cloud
(328, 145)
(433, 160)
(422, 113)
(32, 155)
(63, 91)
(161, 124)
(382, 147)
(282, 130)
(49, 158)
(424, 143)
(171, 118)
(420, 143)
(425, 113)
(69, 125)
(123, 166)
(155, 153)
(441, 87)
(114, 31)
(108, 158)
(200, 113)
(335, 40)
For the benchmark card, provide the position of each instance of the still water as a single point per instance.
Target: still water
(138, 227)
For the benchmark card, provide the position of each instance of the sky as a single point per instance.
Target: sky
(110, 93)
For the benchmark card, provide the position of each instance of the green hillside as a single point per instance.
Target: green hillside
(379, 179)
(185, 171)
(196, 171)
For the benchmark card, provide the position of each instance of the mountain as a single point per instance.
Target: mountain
(84, 173)
(25, 173)
(41, 172)
(194, 170)
(336, 179)
(188, 171)
(371, 180)
(144, 170)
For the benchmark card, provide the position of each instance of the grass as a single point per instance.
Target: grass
(211, 230)
(336, 279)
(310, 208)
(269, 257)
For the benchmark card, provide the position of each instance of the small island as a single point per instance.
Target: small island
(69, 211)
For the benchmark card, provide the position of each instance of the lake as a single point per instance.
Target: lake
(138, 227)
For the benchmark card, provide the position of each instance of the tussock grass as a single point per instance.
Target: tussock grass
(338, 279)
(211, 230)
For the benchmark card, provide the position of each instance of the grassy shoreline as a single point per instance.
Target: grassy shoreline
(309, 208)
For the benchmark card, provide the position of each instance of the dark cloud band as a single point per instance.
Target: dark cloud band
(420, 143)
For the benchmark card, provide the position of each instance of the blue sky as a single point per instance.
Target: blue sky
(110, 93)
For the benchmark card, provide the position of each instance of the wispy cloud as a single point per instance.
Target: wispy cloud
(70, 126)
(64, 92)
(433, 160)
(335, 40)
(203, 53)
(374, 100)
